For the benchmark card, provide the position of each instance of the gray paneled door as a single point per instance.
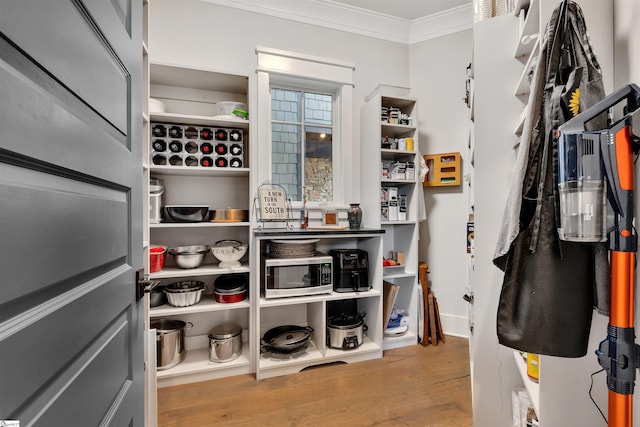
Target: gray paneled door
(71, 347)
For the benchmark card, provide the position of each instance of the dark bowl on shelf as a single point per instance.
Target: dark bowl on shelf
(186, 213)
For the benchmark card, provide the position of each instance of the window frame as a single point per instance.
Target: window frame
(309, 73)
(335, 126)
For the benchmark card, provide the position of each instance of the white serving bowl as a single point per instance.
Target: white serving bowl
(229, 252)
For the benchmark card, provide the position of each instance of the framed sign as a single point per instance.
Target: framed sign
(329, 218)
(273, 203)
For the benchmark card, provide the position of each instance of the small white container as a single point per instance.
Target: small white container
(227, 108)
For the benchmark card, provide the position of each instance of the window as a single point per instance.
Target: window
(305, 127)
(302, 143)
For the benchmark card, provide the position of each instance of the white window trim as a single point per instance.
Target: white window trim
(283, 67)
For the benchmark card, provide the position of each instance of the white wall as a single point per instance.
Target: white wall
(199, 34)
(626, 42)
(437, 74)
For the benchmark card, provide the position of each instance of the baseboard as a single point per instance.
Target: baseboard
(457, 326)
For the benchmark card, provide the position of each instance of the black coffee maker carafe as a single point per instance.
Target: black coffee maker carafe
(350, 270)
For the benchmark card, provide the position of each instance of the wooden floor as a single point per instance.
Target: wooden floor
(410, 386)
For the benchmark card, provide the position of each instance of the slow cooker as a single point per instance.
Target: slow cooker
(346, 332)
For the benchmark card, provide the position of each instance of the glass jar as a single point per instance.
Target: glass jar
(355, 215)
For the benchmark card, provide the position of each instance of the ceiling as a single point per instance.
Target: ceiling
(405, 9)
(403, 21)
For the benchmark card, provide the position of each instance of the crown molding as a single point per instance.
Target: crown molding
(441, 24)
(338, 16)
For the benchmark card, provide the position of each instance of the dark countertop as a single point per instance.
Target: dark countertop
(281, 232)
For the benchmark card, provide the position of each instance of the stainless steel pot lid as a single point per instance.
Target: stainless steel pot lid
(290, 337)
(225, 330)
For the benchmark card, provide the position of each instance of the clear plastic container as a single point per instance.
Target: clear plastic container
(582, 211)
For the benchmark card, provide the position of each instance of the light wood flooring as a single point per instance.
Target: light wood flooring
(410, 386)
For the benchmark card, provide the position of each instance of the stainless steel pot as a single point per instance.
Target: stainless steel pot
(170, 349)
(346, 332)
(225, 342)
(229, 215)
(287, 338)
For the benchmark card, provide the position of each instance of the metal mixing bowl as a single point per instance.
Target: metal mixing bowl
(189, 256)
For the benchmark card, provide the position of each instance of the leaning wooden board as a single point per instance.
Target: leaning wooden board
(440, 334)
(432, 319)
(423, 269)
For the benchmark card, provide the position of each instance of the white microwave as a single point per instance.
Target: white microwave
(290, 277)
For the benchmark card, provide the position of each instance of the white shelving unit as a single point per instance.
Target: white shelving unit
(312, 310)
(400, 236)
(190, 97)
(557, 398)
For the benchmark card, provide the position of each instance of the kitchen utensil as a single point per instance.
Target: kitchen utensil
(157, 258)
(346, 331)
(287, 338)
(186, 213)
(229, 215)
(225, 342)
(185, 293)
(169, 342)
(230, 288)
(229, 252)
(189, 256)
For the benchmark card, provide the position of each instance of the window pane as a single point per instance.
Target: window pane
(318, 109)
(286, 157)
(302, 152)
(318, 163)
(286, 105)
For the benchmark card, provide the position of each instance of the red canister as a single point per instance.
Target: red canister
(157, 256)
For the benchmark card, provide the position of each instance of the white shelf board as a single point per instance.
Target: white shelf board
(391, 154)
(397, 222)
(337, 354)
(191, 119)
(203, 270)
(530, 28)
(409, 338)
(333, 296)
(532, 388)
(396, 274)
(203, 224)
(313, 355)
(197, 361)
(524, 84)
(206, 304)
(398, 181)
(395, 130)
(198, 171)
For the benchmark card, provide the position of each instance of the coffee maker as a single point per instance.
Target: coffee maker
(350, 270)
